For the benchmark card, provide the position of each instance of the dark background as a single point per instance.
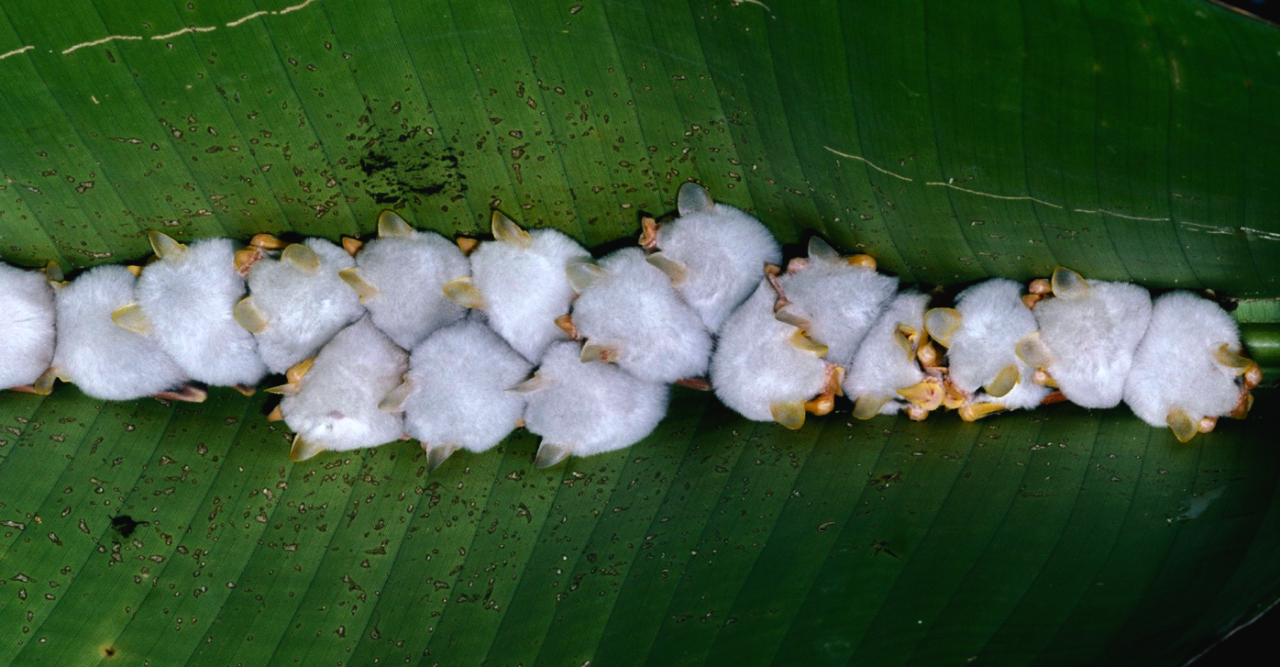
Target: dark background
(1267, 9)
(1252, 644)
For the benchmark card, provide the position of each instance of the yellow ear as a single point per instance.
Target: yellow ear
(942, 324)
(164, 246)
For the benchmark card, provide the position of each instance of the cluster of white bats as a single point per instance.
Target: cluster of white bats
(458, 343)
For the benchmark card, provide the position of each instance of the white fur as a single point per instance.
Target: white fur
(880, 368)
(841, 300)
(1174, 366)
(592, 408)
(993, 320)
(1092, 340)
(27, 329)
(526, 289)
(410, 273)
(461, 375)
(336, 406)
(634, 309)
(190, 301)
(725, 251)
(104, 360)
(303, 309)
(755, 364)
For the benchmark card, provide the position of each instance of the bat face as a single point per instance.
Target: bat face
(1188, 370)
(887, 364)
(400, 277)
(714, 253)
(982, 335)
(581, 409)
(455, 394)
(629, 314)
(519, 280)
(188, 297)
(1089, 335)
(332, 403)
(835, 299)
(298, 302)
(105, 360)
(766, 369)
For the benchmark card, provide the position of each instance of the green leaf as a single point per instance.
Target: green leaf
(951, 140)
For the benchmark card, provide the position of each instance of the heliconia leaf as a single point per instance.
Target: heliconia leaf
(948, 140)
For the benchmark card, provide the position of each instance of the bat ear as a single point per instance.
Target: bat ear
(301, 258)
(1068, 284)
(676, 271)
(906, 338)
(821, 251)
(303, 450)
(131, 318)
(464, 292)
(1033, 351)
(807, 344)
(599, 352)
(868, 406)
(394, 401)
(1230, 357)
(356, 281)
(164, 246)
(1183, 425)
(249, 316)
(942, 324)
(693, 198)
(790, 415)
(390, 224)
(506, 230)
(299, 370)
(437, 454)
(536, 383)
(788, 314)
(582, 274)
(1003, 382)
(550, 454)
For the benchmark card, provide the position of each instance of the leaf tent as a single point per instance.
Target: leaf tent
(951, 140)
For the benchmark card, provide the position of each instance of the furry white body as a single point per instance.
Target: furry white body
(723, 249)
(881, 367)
(1092, 338)
(993, 320)
(1174, 366)
(409, 272)
(634, 309)
(460, 376)
(336, 405)
(27, 329)
(189, 299)
(105, 360)
(840, 300)
(525, 288)
(304, 309)
(589, 408)
(755, 364)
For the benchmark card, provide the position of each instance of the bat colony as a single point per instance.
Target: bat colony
(457, 344)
